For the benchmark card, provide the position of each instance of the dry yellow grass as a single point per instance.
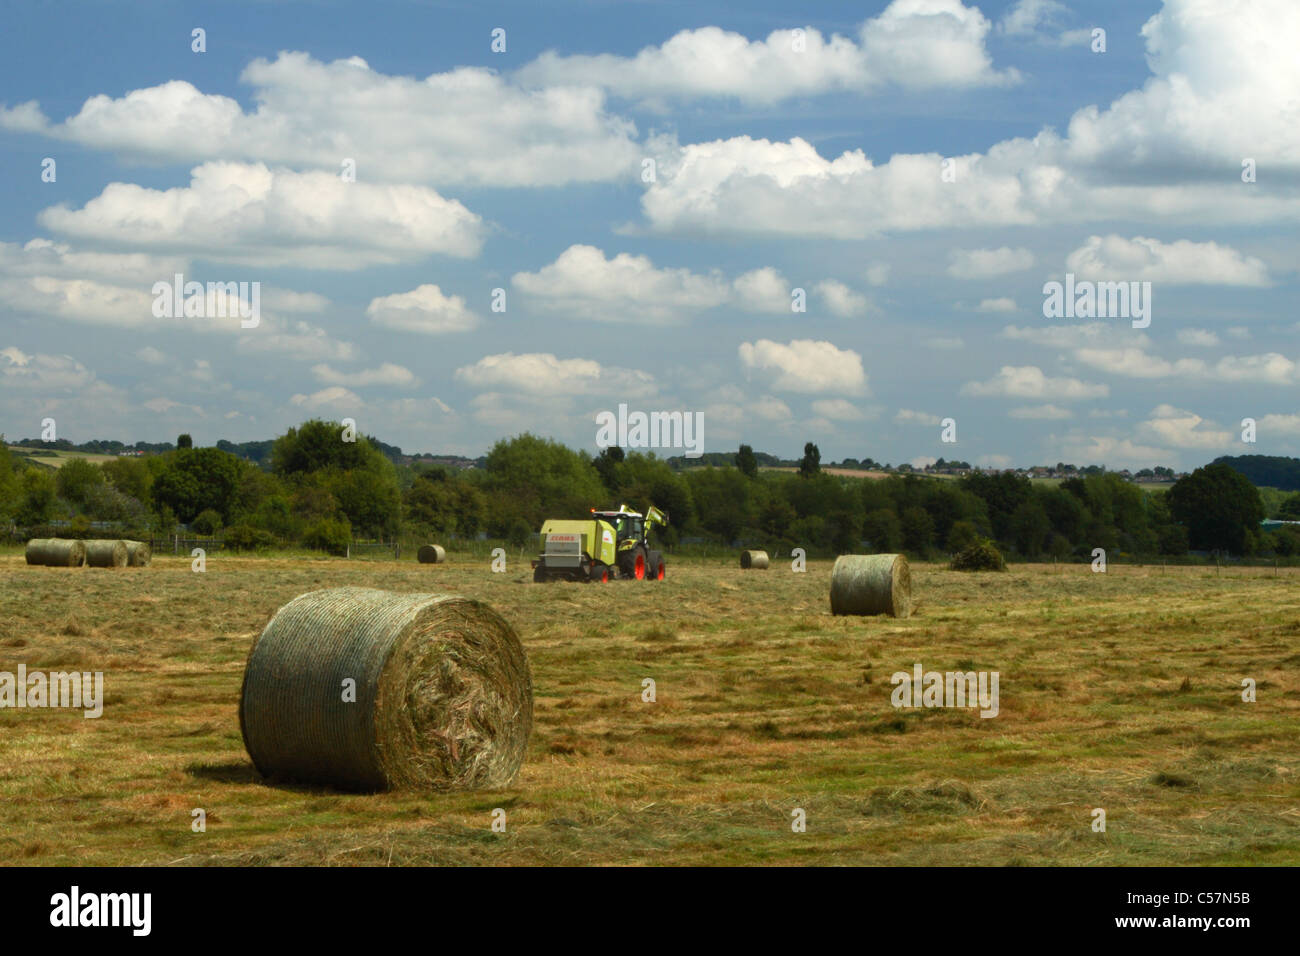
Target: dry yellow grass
(1120, 691)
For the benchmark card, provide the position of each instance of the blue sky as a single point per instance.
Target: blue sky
(783, 161)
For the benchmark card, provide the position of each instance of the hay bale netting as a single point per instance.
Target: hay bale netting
(56, 552)
(138, 554)
(871, 584)
(443, 693)
(103, 553)
(753, 559)
(431, 554)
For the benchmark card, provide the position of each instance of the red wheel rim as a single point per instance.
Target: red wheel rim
(604, 577)
(660, 575)
(640, 567)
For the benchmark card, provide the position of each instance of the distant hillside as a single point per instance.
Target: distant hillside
(258, 452)
(724, 459)
(1269, 471)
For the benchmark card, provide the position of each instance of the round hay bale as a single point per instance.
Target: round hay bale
(138, 554)
(871, 584)
(756, 560)
(56, 552)
(102, 553)
(431, 554)
(443, 693)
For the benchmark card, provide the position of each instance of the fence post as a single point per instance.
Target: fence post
(176, 544)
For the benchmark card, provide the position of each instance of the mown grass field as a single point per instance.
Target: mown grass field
(1120, 691)
(56, 458)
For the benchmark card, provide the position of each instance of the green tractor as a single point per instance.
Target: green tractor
(612, 544)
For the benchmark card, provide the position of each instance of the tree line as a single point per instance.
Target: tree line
(310, 488)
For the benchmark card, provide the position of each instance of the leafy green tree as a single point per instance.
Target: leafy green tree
(1030, 529)
(962, 535)
(811, 463)
(1067, 513)
(275, 514)
(1285, 542)
(776, 516)
(106, 503)
(369, 498)
(131, 476)
(10, 485)
(1290, 510)
(184, 441)
(947, 504)
(1173, 539)
(883, 529)
(747, 462)
(207, 521)
(317, 445)
(1121, 508)
(1060, 547)
(1002, 493)
(76, 479)
(244, 537)
(255, 487)
(359, 478)
(809, 531)
(195, 479)
(164, 522)
(38, 497)
(533, 479)
(918, 531)
(606, 465)
(1220, 508)
(331, 535)
(645, 479)
(310, 502)
(722, 501)
(519, 533)
(439, 504)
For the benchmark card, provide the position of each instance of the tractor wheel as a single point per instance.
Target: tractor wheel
(539, 575)
(598, 572)
(633, 564)
(654, 563)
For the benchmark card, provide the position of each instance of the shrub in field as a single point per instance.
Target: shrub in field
(981, 556)
(208, 521)
(328, 534)
(244, 537)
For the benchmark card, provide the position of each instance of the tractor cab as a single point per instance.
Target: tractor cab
(628, 525)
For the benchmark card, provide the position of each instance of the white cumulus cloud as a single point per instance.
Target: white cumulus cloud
(1029, 381)
(424, 309)
(805, 365)
(913, 44)
(467, 125)
(987, 263)
(1183, 262)
(256, 216)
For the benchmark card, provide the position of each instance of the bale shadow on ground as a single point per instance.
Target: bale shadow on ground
(240, 772)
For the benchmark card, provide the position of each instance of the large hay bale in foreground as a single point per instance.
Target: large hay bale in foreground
(56, 552)
(443, 693)
(753, 559)
(871, 584)
(102, 553)
(138, 554)
(431, 554)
